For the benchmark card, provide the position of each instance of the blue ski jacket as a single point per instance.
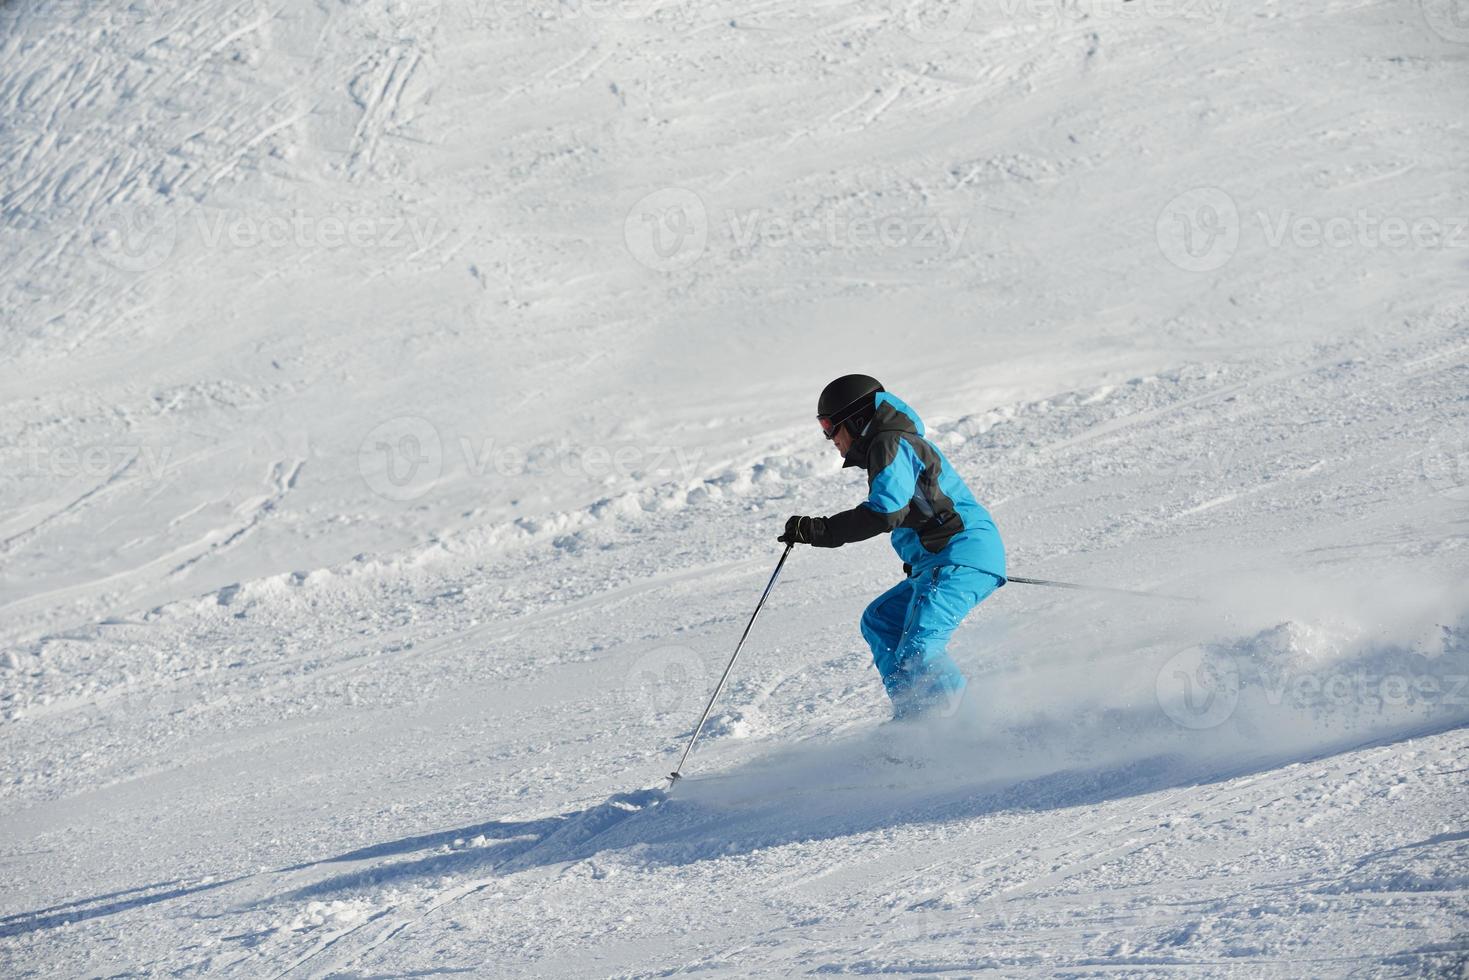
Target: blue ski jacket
(915, 494)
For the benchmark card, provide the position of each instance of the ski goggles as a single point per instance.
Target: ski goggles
(828, 427)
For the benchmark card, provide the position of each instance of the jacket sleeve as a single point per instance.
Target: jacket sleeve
(892, 477)
(857, 524)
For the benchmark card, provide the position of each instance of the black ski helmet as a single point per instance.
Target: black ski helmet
(849, 397)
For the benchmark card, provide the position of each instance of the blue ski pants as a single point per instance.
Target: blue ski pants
(908, 627)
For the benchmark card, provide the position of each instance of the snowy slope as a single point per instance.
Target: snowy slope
(398, 402)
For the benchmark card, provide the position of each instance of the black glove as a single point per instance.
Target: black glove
(798, 531)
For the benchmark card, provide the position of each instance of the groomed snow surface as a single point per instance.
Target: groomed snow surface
(399, 401)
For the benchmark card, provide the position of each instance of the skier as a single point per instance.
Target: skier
(951, 550)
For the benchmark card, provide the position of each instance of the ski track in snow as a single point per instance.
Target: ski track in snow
(266, 715)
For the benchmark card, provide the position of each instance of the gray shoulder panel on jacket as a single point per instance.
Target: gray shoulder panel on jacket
(883, 451)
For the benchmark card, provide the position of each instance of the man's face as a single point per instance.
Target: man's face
(842, 440)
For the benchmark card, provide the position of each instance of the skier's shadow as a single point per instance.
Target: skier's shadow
(749, 808)
(494, 841)
(492, 847)
(97, 906)
(711, 819)
(734, 813)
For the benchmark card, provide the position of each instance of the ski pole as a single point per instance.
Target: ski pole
(1101, 588)
(674, 776)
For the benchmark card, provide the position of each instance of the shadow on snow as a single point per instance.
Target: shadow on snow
(749, 809)
(807, 795)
